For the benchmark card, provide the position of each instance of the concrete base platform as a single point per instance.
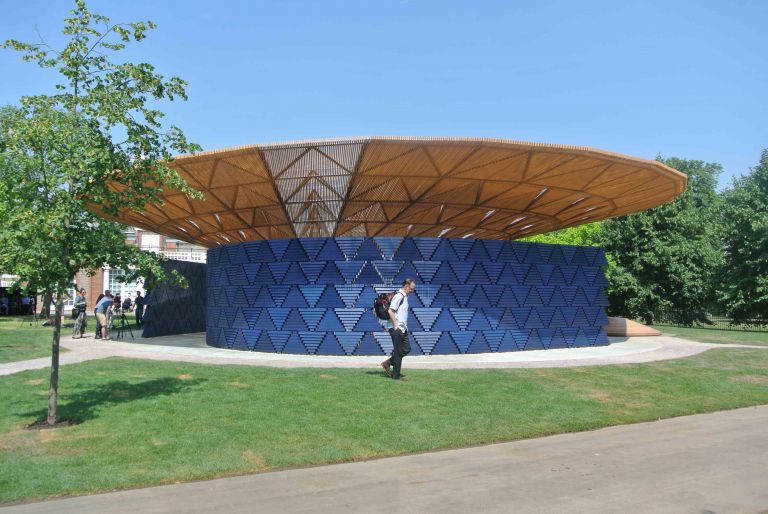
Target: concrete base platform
(623, 327)
(192, 348)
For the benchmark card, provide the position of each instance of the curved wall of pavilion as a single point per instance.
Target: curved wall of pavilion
(172, 309)
(314, 295)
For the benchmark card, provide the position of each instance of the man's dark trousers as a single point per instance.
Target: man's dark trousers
(400, 348)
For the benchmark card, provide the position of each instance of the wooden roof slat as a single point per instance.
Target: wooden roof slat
(511, 168)
(453, 191)
(402, 186)
(415, 163)
(375, 155)
(197, 174)
(447, 157)
(576, 179)
(378, 189)
(225, 195)
(416, 186)
(228, 175)
(393, 209)
(489, 155)
(345, 156)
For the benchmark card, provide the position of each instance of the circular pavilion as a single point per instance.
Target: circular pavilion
(303, 235)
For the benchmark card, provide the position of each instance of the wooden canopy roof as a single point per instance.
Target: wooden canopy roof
(398, 186)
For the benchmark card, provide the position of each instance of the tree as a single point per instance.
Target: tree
(97, 142)
(744, 277)
(667, 257)
(583, 235)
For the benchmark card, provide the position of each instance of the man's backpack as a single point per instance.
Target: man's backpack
(381, 304)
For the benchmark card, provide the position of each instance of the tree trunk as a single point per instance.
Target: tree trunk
(45, 311)
(53, 391)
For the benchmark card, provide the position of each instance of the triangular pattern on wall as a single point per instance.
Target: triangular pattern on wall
(502, 297)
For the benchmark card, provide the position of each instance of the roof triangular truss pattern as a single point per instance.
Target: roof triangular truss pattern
(389, 186)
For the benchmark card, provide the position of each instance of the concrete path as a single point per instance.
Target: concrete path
(192, 348)
(699, 464)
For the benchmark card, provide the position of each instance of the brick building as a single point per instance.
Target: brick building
(107, 278)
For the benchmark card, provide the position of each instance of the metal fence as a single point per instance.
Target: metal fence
(711, 321)
(182, 254)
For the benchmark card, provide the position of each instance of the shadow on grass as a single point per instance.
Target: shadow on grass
(381, 374)
(86, 405)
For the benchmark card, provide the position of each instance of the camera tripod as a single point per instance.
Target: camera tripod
(30, 318)
(122, 324)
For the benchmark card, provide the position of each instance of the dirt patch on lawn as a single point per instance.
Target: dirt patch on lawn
(34, 439)
(753, 379)
(254, 459)
(601, 396)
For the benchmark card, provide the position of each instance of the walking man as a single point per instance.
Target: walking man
(397, 325)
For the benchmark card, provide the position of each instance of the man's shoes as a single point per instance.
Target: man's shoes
(401, 377)
(387, 368)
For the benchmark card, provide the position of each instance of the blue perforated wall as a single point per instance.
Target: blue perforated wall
(176, 310)
(314, 295)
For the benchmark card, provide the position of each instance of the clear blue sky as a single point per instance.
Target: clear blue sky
(676, 78)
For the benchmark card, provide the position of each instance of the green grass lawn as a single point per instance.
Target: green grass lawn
(706, 335)
(21, 341)
(147, 422)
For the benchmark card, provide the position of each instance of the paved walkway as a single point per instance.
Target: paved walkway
(695, 464)
(192, 348)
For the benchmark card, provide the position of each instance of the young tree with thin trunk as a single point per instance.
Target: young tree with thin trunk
(97, 142)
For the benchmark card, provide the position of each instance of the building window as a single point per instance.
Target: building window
(124, 289)
(150, 242)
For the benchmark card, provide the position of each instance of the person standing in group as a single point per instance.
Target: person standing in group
(103, 309)
(4, 304)
(139, 306)
(26, 302)
(97, 332)
(116, 304)
(81, 304)
(397, 326)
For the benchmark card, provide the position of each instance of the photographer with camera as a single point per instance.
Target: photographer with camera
(104, 309)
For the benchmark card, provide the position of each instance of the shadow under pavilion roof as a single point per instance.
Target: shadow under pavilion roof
(402, 186)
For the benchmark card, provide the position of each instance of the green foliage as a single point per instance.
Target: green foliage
(97, 142)
(667, 257)
(583, 235)
(744, 278)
